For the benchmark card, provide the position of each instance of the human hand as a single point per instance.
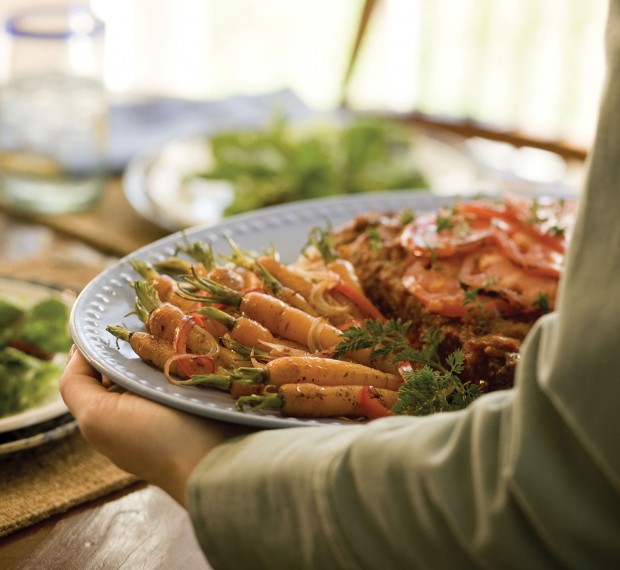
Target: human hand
(157, 443)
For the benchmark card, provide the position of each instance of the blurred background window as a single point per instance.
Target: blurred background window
(530, 65)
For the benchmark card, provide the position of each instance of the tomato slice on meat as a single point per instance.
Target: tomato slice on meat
(445, 234)
(526, 249)
(498, 243)
(437, 286)
(489, 270)
(551, 219)
(484, 209)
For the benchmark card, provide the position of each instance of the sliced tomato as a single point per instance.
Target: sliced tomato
(371, 405)
(488, 270)
(438, 287)
(549, 218)
(458, 234)
(527, 250)
(484, 209)
(363, 303)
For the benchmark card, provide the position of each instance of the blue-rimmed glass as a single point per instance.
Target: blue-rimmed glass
(52, 110)
(38, 23)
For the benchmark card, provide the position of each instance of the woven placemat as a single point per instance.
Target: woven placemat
(50, 479)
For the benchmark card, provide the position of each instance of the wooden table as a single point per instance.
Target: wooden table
(140, 527)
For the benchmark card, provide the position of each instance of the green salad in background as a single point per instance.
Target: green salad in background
(30, 339)
(285, 162)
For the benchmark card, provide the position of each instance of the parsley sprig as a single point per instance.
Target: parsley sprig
(435, 386)
(323, 240)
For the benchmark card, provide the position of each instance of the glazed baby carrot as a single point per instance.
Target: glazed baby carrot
(286, 276)
(162, 320)
(166, 286)
(286, 294)
(159, 353)
(281, 319)
(240, 329)
(312, 401)
(271, 283)
(316, 370)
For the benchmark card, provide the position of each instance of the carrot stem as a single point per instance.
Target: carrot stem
(219, 381)
(271, 401)
(147, 298)
(242, 349)
(220, 316)
(218, 293)
(145, 269)
(120, 332)
(173, 265)
(248, 374)
(239, 257)
(198, 251)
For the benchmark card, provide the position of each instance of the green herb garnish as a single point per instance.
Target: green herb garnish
(433, 387)
(542, 302)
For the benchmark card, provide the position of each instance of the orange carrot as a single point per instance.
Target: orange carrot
(156, 351)
(286, 276)
(286, 321)
(240, 329)
(167, 287)
(164, 321)
(312, 401)
(321, 371)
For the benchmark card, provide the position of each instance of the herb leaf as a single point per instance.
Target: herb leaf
(434, 386)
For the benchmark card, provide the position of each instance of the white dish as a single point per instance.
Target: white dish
(26, 294)
(109, 298)
(39, 435)
(159, 184)
(51, 409)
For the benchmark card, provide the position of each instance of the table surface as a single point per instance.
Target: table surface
(141, 526)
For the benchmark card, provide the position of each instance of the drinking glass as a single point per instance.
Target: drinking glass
(53, 110)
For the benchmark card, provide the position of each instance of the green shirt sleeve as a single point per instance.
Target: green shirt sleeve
(525, 478)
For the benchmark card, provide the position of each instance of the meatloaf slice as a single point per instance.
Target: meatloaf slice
(371, 242)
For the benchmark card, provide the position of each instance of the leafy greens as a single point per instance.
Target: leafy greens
(283, 163)
(29, 338)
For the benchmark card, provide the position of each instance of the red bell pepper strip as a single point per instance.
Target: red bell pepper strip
(194, 363)
(363, 303)
(371, 404)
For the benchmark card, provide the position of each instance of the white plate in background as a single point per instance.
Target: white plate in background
(25, 294)
(161, 187)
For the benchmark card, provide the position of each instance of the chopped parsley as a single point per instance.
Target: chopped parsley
(542, 302)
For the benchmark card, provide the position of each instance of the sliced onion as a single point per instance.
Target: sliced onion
(326, 304)
(285, 349)
(314, 343)
(181, 357)
(256, 362)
